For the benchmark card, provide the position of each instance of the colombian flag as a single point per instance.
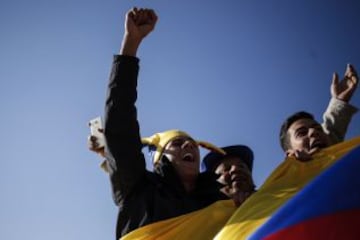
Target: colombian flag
(327, 208)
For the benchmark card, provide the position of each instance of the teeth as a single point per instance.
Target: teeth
(316, 144)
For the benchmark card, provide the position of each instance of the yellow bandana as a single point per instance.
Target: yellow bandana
(159, 140)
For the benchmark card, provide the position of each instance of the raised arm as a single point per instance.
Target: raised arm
(338, 115)
(125, 161)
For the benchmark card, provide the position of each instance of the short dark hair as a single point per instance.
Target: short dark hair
(284, 139)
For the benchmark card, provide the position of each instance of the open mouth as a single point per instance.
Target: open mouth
(317, 144)
(188, 157)
(240, 176)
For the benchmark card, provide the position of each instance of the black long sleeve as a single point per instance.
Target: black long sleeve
(126, 162)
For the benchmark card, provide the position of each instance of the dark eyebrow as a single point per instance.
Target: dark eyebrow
(315, 124)
(300, 129)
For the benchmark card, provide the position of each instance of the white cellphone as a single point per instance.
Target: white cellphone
(95, 125)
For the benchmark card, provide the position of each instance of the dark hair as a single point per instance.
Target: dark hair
(284, 139)
(161, 165)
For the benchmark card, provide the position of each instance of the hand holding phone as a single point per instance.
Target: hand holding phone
(97, 137)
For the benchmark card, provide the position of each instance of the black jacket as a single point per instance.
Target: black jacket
(143, 197)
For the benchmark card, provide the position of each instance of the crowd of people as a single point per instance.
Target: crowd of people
(176, 186)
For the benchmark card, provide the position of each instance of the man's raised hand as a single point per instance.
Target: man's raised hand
(344, 89)
(138, 24)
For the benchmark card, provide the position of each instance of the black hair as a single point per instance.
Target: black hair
(284, 138)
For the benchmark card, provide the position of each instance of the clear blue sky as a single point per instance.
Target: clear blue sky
(225, 71)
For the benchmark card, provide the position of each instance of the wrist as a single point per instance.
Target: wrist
(345, 99)
(130, 45)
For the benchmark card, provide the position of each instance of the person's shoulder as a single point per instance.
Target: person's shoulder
(207, 175)
(152, 177)
(207, 180)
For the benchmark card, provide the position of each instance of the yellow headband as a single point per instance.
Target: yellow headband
(159, 140)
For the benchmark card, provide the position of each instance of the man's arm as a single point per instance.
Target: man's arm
(125, 161)
(339, 112)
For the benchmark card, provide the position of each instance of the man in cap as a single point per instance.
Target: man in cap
(233, 170)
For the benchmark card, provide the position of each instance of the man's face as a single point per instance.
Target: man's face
(307, 135)
(183, 153)
(234, 175)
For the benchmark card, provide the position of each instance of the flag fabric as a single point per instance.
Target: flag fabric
(201, 224)
(327, 208)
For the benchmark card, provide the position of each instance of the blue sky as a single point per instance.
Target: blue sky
(225, 71)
